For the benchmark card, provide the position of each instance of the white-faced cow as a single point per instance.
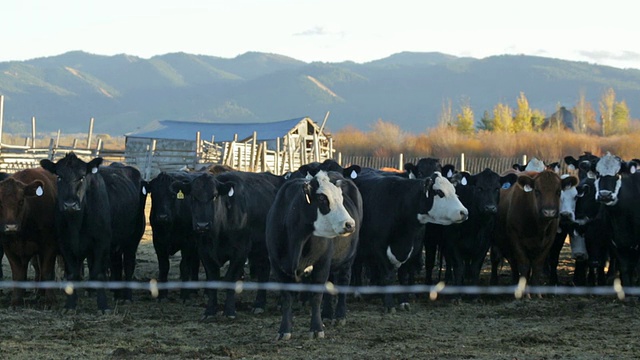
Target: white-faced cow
(312, 231)
(465, 245)
(395, 211)
(27, 227)
(527, 223)
(229, 212)
(618, 187)
(170, 219)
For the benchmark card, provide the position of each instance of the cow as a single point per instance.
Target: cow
(538, 165)
(618, 188)
(27, 227)
(424, 168)
(83, 222)
(127, 200)
(3, 175)
(395, 211)
(228, 213)
(312, 231)
(172, 229)
(465, 245)
(582, 164)
(527, 223)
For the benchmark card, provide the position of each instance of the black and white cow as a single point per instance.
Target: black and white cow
(312, 232)
(618, 187)
(395, 211)
(172, 228)
(466, 244)
(583, 164)
(83, 220)
(229, 212)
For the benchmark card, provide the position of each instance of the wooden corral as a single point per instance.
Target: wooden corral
(277, 147)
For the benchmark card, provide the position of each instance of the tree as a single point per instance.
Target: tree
(523, 114)
(446, 115)
(464, 120)
(607, 103)
(486, 122)
(537, 119)
(503, 118)
(620, 123)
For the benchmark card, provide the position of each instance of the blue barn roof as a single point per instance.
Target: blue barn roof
(186, 130)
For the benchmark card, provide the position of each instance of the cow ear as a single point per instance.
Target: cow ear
(582, 189)
(526, 182)
(352, 172)
(508, 180)
(517, 167)
(428, 184)
(448, 171)
(568, 182)
(307, 189)
(555, 167)
(304, 170)
(571, 162)
(36, 188)
(227, 188)
(586, 166)
(180, 188)
(48, 165)
(92, 166)
(462, 178)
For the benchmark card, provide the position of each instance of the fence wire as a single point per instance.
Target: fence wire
(153, 286)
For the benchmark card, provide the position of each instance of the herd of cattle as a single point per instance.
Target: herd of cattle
(350, 226)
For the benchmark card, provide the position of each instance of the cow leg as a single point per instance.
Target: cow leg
(212, 271)
(98, 272)
(403, 279)
(234, 273)
(129, 259)
(286, 323)
(116, 273)
(319, 275)
(552, 260)
(19, 267)
(160, 245)
(496, 258)
(189, 268)
(48, 261)
(430, 250)
(580, 277)
(1, 255)
(73, 267)
(343, 278)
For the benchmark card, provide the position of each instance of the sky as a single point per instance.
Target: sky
(603, 32)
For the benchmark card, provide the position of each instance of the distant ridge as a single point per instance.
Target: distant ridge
(124, 92)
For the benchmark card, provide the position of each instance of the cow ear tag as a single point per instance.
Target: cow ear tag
(231, 192)
(354, 174)
(39, 191)
(180, 195)
(464, 181)
(450, 174)
(144, 190)
(94, 170)
(633, 169)
(591, 175)
(528, 188)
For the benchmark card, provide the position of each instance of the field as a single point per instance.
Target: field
(494, 327)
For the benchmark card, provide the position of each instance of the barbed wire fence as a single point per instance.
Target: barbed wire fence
(153, 286)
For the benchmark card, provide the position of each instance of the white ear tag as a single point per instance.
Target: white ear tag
(426, 193)
(571, 167)
(39, 191)
(180, 195)
(306, 196)
(633, 170)
(591, 175)
(528, 188)
(449, 174)
(231, 192)
(354, 174)
(144, 190)
(464, 181)
(94, 170)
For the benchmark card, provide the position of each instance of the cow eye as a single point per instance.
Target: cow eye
(322, 199)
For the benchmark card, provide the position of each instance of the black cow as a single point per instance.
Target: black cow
(172, 228)
(584, 163)
(618, 187)
(465, 245)
(312, 230)
(424, 168)
(83, 220)
(3, 175)
(127, 200)
(395, 211)
(229, 211)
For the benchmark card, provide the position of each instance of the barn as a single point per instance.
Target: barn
(278, 147)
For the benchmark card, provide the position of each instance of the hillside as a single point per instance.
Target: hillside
(125, 92)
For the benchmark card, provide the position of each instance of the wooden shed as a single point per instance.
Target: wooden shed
(278, 147)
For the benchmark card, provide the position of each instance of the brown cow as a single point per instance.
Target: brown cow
(527, 224)
(27, 226)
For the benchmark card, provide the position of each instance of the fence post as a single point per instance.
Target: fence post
(90, 134)
(524, 159)
(152, 149)
(276, 159)
(198, 150)
(33, 132)
(401, 162)
(51, 147)
(340, 158)
(462, 162)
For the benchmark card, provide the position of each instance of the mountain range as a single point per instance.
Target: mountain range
(123, 93)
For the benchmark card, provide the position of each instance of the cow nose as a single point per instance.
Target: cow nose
(549, 213)
(566, 214)
(605, 195)
(464, 214)
(491, 209)
(71, 206)
(203, 226)
(349, 227)
(10, 228)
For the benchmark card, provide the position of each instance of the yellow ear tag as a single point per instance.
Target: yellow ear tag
(307, 197)
(180, 195)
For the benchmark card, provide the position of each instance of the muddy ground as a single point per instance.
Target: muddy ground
(497, 327)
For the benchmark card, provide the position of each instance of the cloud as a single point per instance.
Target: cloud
(319, 31)
(603, 56)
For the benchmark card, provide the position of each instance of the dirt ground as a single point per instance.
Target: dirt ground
(497, 327)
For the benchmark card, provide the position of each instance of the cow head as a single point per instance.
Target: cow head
(332, 219)
(544, 188)
(483, 190)
(445, 207)
(308, 171)
(424, 168)
(609, 170)
(74, 177)
(163, 199)
(584, 164)
(209, 201)
(13, 204)
(568, 198)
